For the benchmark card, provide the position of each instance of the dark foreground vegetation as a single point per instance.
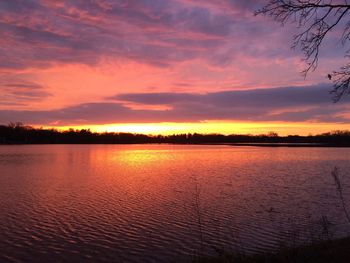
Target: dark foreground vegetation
(20, 134)
(323, 252)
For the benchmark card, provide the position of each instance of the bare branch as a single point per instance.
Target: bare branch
(341, 80)
(317, 18)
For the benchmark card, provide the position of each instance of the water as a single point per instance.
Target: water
(163, 203)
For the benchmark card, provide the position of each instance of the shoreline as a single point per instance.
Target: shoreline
(244, 144)
(337, 250)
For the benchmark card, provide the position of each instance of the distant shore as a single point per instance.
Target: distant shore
(270, 145)
(291, 145)
(20, 134)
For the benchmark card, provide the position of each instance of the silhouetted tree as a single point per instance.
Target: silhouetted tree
(272, 134)
(21, 134)
(316, 18)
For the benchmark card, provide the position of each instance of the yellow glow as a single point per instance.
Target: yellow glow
(223, 127)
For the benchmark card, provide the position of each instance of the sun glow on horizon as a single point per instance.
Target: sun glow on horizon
(221, 127)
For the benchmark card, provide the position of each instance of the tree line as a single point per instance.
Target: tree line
(20, 134)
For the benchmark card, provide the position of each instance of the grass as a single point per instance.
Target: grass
(326, 251)
(316, 252)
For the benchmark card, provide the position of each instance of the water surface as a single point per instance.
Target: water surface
(162, 203)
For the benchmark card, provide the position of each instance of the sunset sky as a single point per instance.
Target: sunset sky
(161, 66)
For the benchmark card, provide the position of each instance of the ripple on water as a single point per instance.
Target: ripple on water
(155, 203)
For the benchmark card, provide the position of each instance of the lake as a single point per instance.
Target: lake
(165, 203)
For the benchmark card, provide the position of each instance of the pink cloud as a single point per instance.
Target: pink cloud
(176, 45)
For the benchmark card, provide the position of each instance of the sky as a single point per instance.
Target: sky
(161, 66)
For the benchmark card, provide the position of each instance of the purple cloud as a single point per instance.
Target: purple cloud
(156, 32)
(15, 91)
(312, 103)
(262, 98)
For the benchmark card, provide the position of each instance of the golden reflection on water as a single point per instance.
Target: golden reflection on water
(142, 157)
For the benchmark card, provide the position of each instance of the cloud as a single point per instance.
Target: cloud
(311, 103)
(261, 98)
(196, 46)
(15, 91)
(155, 32)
